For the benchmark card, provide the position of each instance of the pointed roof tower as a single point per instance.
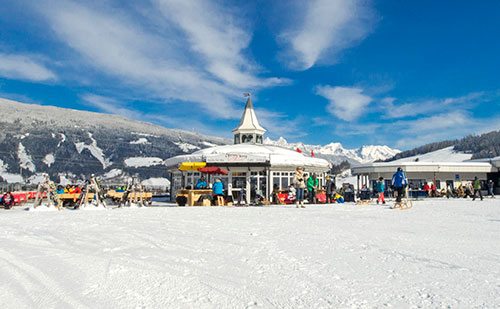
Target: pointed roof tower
(249, 130)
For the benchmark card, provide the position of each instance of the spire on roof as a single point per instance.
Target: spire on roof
(249, 125)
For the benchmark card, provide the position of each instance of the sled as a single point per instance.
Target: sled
(363, 202)
(405, 203)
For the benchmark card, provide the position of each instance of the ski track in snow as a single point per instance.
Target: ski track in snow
(437, 254)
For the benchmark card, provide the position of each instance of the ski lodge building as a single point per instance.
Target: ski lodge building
(252, 166)
(441, 172)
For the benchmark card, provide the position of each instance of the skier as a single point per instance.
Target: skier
(312, 186)
(330, 189)
(477, 189)
(380, 188)
(399, 183)
(300, 186)
(490, 188)
(8, 200)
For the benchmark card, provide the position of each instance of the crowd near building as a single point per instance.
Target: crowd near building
(442, 175)
(253, 168)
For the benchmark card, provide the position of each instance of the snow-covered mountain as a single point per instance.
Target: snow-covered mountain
(70, 144)
(336, 153)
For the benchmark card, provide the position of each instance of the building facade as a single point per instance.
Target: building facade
(253, 168)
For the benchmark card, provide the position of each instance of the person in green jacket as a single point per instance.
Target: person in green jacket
(312, 186)
(477, 188)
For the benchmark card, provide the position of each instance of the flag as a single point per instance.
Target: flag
(246, 94)
(298, 150)
(312, 153)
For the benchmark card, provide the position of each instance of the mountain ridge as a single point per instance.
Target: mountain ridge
(70, 144)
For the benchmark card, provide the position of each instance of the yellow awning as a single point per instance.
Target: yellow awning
(191, 166)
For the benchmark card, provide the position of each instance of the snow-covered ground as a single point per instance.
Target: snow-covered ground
(438, 254)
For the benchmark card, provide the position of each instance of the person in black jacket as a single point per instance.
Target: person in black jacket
(330, 189)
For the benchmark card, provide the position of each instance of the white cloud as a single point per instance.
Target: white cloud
(344, 102)
(184, 55)
(24, 68)
(325, 29)
(214, 33)
(431, 106)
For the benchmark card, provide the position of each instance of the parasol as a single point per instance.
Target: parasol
(213, 170)
(191, 166)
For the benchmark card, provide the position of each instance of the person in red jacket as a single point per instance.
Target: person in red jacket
(8, 200)
(427, 189)
(433, 190)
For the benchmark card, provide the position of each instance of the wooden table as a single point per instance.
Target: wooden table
(193, 195)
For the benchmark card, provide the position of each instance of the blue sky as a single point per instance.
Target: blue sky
(400, 73)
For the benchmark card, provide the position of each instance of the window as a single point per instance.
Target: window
(259, 139)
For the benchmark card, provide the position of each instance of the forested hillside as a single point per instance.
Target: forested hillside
(486, 145)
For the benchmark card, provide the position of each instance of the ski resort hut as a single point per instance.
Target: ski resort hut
(440, 173)
(253, 168)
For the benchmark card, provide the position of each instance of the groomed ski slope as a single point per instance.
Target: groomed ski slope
(438, 254)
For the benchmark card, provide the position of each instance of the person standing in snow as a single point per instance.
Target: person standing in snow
(312, 186)
(477, 188)
(8, 200)
(330, 189)
(399, 183)
(380, 188)
(300, 185)
(491, 186)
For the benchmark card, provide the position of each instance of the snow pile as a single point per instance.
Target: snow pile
(143, 161)
(140, 141)
(35, 179)
(8, 177)
(94, 150)
(49, 159)
(112, 174)
(208, 144)
(156, 182)
(186, 147)
(63, 139)
(25, 160)
(439, 254)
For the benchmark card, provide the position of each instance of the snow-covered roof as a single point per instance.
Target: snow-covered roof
(442, 155)
(248, 154)
(249, 122)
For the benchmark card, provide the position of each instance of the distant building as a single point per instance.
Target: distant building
(253, 167)
(440, 173)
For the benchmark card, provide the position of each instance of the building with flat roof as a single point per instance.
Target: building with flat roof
(431, 171)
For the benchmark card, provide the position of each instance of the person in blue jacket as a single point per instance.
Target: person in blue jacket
(218, 187)
(380, 188)
(201, 184)
(399, 183)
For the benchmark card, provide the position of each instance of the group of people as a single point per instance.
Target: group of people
(301, 186)
(68, 189)
(399, 183)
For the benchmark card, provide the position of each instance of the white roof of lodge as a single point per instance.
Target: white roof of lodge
(422, 167)
(251, 153)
